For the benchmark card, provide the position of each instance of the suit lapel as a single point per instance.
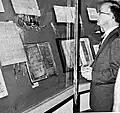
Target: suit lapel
(107, 40)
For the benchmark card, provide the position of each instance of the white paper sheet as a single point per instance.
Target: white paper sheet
(28, 7)
(85, 51)
(1, 7)
(65, 14)
(11, 47)
(3, 89)
(69, 49)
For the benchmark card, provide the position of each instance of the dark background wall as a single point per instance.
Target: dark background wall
(89, 26)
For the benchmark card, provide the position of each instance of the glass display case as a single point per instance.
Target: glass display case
(51, 74)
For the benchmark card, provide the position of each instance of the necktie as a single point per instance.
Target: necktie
(100, 43)
(102, 37)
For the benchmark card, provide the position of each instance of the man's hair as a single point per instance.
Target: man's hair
(115, 9)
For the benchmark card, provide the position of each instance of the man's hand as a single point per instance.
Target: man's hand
(86, 72)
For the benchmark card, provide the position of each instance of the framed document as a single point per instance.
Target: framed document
(35, 64)
(40, 63)
(48, 58)
(85, 52)
(66, 48)
(67, 53)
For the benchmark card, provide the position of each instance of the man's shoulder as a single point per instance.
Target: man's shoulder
(115, 39)
(116, 35)
(115, 43)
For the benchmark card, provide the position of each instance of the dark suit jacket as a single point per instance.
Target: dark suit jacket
(105, 68)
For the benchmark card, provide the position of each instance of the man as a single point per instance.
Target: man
(107, 60)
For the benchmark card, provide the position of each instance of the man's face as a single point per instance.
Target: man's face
(104, 15)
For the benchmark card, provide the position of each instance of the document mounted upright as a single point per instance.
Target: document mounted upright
(85, 52)
(67, 50)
